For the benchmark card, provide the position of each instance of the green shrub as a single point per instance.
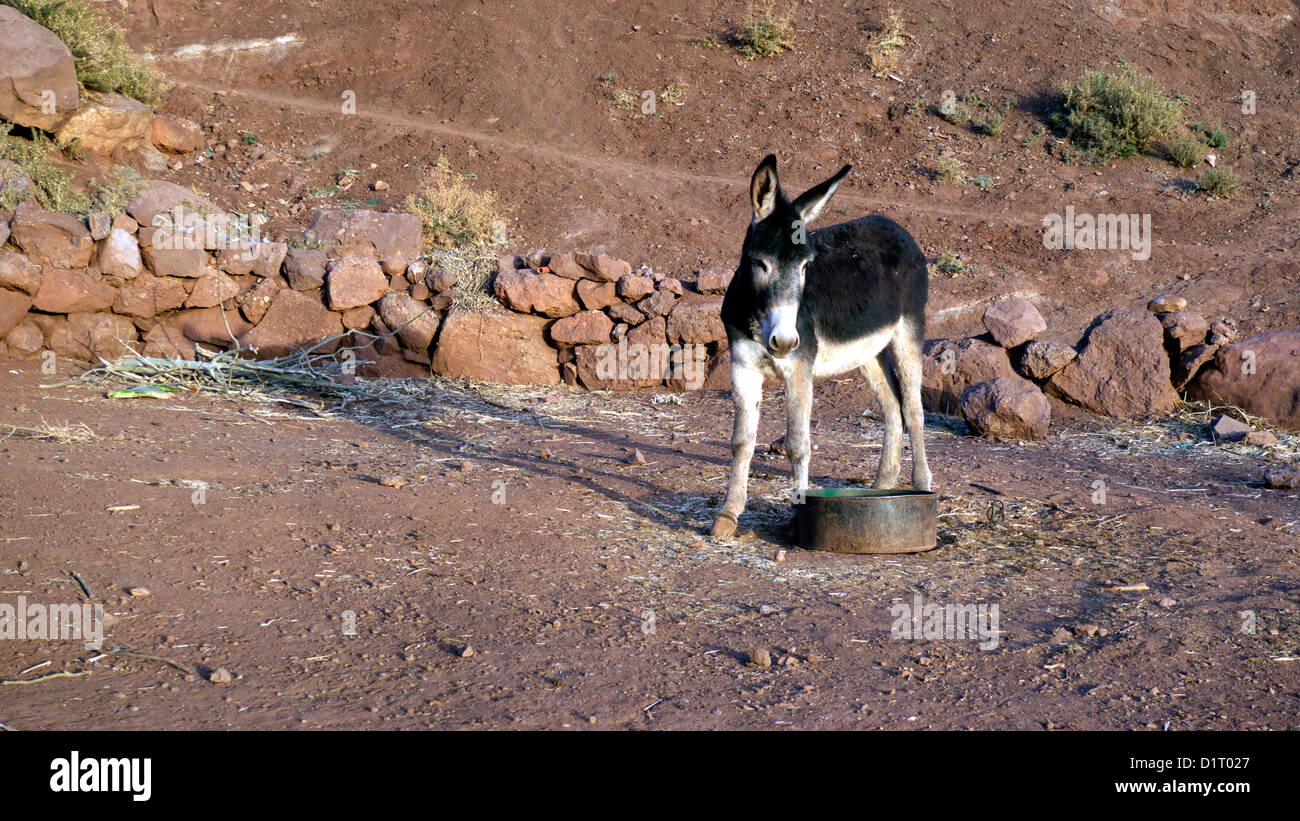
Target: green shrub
(98, 45)
(1186, 153)
(764, 34)
(1117, 114)
(1218, 182)
(52, 184)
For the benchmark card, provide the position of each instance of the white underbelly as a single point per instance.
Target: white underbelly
(835, 358)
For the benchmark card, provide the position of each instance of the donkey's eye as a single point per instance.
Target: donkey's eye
(762, 267)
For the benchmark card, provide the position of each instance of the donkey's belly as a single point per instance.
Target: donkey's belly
(835, 358)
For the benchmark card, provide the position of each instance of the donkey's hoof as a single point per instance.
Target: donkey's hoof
(724, 527)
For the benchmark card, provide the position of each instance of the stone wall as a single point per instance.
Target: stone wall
(175, 271)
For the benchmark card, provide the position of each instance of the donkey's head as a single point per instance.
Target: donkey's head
(776, 252)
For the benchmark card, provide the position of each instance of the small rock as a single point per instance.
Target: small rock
(393, 481)
(465, 466)
(1283, 478)
(636, 457)
(380, 185)
(139, 592)
(759, 657)
(221, 676)
(780, 555)
(1227, 429)
(1222, 332)
(1167, 602)
(1013, 322)
(467, 651)
(23, 565)
(1261, 438)
(1167, 304)
(1086, 629)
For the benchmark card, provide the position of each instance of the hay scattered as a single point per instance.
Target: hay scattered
(65, 434)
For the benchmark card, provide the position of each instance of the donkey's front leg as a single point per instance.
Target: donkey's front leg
(746, 393)
(798, 416)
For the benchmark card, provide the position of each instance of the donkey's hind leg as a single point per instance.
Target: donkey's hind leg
(880, 377)
(906, 352)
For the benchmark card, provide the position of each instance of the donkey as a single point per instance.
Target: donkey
(809, 304)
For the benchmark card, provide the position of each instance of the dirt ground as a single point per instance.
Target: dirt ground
(509, 520)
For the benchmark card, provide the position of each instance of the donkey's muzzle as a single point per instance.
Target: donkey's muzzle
(780, 346)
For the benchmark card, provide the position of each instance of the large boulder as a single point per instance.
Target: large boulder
(952, 365)
(212, 289)
(506, 348)
(112, 126)
(294, 320)
(354, 281)
(38, 77)
(529, 291)
(697, 322)
(374, 234)
(210, 326)
(1006, 408)
(148, 295)
(65, 291)
(1013, 322)
(305, 268)
(1122, 369)
(583, 328)
(25, 339)
(160, 199)
(13, 307)
(119, 255)
(51, 238)
(18, 273)
(1260, 375)
(411, 320)
(91, 336)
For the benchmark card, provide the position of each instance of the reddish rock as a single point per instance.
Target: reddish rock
(49, 238)
(529, 291)
(238, 258)
(294, 321)
(178, 262)
(148, 295)
(697, 322)
(119, 255)
(1222, 331)
(1040, 359)
(1191, 362)
(64, 291)
(564, 265)
(506, 348)
(25, 339)
(33, 60)
(672, 286)
(1282, 478)
(109, 124)
(305, 268)
(92, 336)
(412, 321)
(165, 339)
(372, 234)
(657, 304)
(713, 280)
(1260, 375)
(14, 305)
(395, 266)
(952, 365)
(1184, 329)
(355, 281)
(17, 273)
(1122, 369)
(440, 279)
(583, 328)
(254, 303)
(419, 292)
(99, 224)
(603, 267)
(623, 312)
(176, 134)
(1013, 322)
(1006, 408)
(268, 259)
(212, 289)
(211, 326)
(160, 199)
(441, 301)
(631, 288)
(1228, 429)
(354, 319)
(597, 295)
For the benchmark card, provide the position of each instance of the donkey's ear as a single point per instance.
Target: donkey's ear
(810, 202)
(764, 188)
